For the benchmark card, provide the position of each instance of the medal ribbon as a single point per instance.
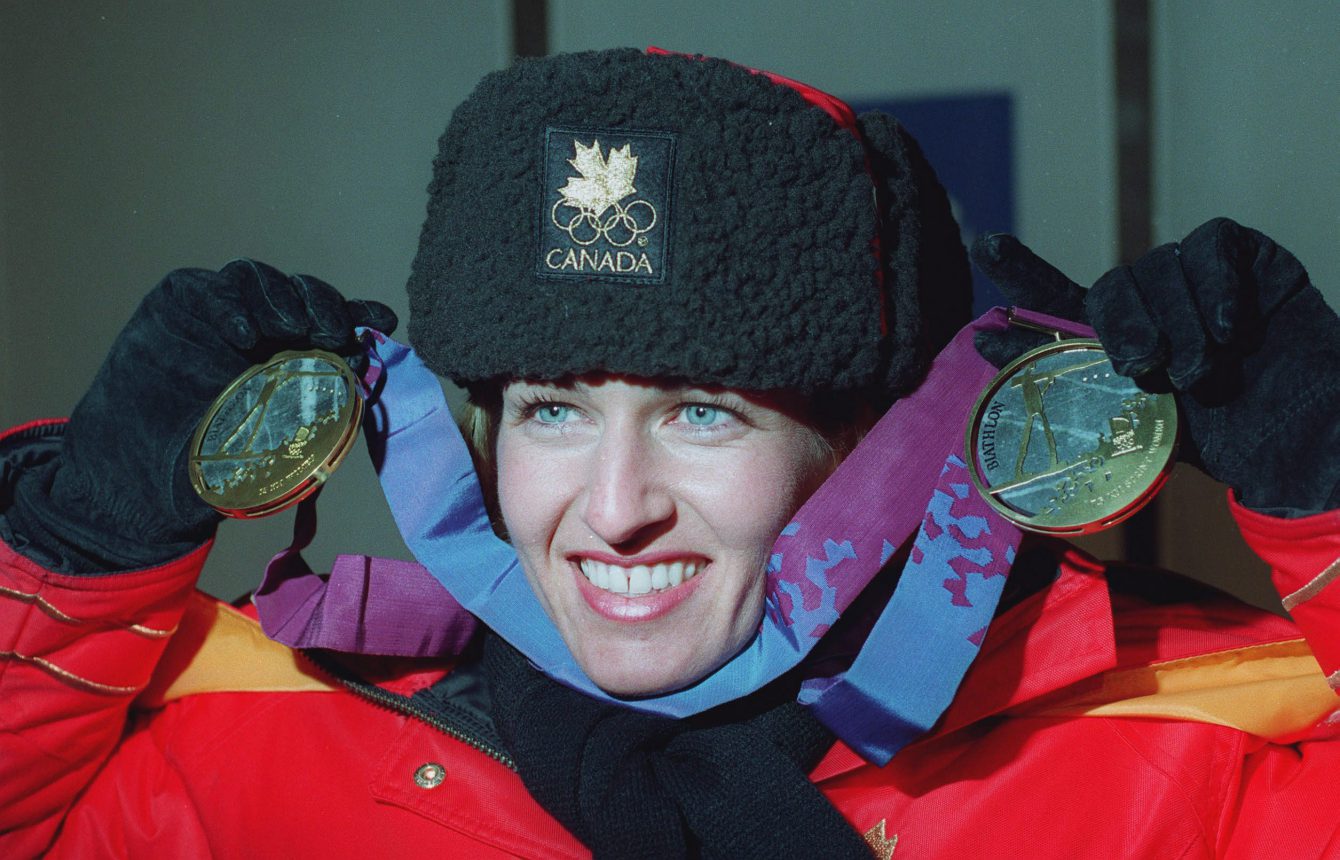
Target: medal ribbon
(905, 476)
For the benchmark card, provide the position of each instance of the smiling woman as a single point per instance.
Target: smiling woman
(644, 515)
(718, 627)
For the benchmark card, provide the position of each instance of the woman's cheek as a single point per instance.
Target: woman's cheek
(526, 484)
(765, 493)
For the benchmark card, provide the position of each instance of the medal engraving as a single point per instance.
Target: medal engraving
(275, 434)
(1062, 444)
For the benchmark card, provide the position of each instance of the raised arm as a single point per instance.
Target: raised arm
(101, 535)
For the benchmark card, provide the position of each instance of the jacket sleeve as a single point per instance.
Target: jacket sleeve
(1304, 559)
(74, 651)
(1287, 791)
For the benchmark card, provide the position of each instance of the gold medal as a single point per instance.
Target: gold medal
(1060, 443)
(276, 433)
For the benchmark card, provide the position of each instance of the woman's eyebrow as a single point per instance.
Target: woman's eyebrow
(541, 386)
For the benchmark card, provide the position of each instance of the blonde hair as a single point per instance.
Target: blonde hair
(479, 420)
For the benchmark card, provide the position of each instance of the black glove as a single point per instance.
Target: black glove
(1227, 320)
(119, 495)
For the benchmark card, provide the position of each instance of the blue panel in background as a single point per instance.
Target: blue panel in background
(968, 140)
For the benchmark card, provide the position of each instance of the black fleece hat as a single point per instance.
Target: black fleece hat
(671, 216)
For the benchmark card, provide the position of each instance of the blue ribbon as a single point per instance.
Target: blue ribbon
(931, 630)
(917, 653)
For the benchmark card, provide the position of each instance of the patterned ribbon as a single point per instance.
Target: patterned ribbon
(905, 476)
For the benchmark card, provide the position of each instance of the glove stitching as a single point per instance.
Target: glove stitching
(307, 305)
(265, 290)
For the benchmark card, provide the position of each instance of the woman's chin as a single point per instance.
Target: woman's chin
(643, 669)
(636, 682)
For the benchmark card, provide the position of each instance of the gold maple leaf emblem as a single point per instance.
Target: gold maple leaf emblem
(880, 844)
(603, 182)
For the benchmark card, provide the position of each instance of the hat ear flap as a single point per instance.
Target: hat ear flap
(927, 281)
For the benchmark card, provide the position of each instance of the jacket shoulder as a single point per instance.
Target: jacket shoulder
(218, 648)
(1186, 651)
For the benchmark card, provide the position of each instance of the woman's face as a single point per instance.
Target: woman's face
(644, 515)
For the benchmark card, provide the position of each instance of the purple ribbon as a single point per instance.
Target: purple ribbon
(366, 605)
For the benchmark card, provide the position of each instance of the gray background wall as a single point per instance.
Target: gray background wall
(140, 136)
(136, 137)
(1246, 118)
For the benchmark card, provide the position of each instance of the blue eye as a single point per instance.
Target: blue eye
(700, 415)
(552, 413)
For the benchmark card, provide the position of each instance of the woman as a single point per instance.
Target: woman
(677, 290)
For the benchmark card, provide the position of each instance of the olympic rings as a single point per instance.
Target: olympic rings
(620, 229)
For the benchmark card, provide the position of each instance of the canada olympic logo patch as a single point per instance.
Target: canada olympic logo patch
(606, 205)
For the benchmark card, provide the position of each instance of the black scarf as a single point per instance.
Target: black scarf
(727, 784)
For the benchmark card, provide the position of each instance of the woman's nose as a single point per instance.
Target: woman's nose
(628, 499)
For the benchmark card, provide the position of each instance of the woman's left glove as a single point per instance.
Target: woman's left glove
(1229, 321)
(118, 496)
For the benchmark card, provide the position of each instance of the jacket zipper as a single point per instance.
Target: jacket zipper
(403, 705)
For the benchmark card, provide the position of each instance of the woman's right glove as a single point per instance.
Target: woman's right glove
(118, 496)
(1229, 322)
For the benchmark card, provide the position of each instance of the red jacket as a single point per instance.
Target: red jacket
(141, 718)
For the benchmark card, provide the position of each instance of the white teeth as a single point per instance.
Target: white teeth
(639, 579)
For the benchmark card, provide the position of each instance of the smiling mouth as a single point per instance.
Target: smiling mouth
(639, 579)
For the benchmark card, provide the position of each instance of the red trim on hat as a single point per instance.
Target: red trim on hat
(30, 425)
(845, 117)
(835, 107)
